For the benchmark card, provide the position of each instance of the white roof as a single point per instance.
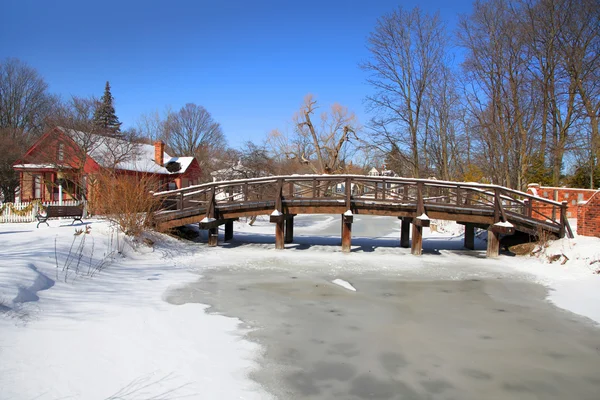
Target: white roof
(121, 154)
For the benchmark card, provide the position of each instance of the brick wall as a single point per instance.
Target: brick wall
(588, 216)
(571, 195)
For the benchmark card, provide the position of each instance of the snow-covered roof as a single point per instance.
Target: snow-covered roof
(38, 166)
(121, 154)
(185, 162)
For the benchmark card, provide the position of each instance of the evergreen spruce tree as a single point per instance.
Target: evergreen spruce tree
(104, 117)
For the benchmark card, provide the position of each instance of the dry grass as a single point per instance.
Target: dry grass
(126, 200)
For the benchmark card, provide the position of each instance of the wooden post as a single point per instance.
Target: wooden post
(493, 244)
(563, 219)
(420, 205)
(470, 236)
(528, 207)
(346, 235)
(279, 195)
(213, 236)
(417, 240)
(228, 230)
(555, 197)
(279, 234)
(348, 193)
(405, 233)
(496, 205)
(289, 230)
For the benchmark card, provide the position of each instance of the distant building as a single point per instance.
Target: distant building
(236, 171)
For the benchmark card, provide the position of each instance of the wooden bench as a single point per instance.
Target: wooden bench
(75, 212)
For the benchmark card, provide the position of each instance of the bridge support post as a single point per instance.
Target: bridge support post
(279, 234)
(289, 230)
(228, 230)
(470, 236)
(493, 244)
(417, 240)
(405, 232)
(346, 234)
(213, 236)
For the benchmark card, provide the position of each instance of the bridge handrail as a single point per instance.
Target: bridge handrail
(308, 177)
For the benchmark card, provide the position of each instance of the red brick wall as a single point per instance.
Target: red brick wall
(588, 217)
(571, 195)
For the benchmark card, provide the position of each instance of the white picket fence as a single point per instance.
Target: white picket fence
(9, 216)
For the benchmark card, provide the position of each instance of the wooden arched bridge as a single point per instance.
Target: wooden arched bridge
(498, 209)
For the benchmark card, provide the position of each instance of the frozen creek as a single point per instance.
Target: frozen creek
(423, 333)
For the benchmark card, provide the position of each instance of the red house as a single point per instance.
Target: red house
(70, 159)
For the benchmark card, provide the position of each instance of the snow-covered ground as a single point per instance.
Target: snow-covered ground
(112, 335)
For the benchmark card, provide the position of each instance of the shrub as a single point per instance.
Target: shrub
(126, 200)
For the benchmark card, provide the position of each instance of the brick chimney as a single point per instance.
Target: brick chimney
(159, 151)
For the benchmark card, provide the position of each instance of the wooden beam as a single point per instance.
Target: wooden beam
(501, 229)
(228, 230)
(289, 230)
(493, 244)
(423, 223)
(405, 233)
(216, 223)
(470, 236)
(417, 240)
(346, 235)
(282, 217)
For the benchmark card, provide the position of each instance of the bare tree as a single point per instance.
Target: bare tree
(24, 104)
(444, 127)
(152, 125)
(191, 130)
(502, 100)
(321, 145)
(580, 43)
(407, 53)
(24, 100)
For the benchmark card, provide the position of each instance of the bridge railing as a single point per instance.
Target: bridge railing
(504, 203)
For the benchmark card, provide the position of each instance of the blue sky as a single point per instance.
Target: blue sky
(250, 63)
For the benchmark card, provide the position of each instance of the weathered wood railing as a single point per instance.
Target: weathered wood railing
(402, 197)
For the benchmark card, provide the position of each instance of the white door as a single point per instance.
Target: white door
(37, 186)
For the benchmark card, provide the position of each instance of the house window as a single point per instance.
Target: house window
(61, 152)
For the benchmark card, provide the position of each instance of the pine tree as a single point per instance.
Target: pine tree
(104, 116)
